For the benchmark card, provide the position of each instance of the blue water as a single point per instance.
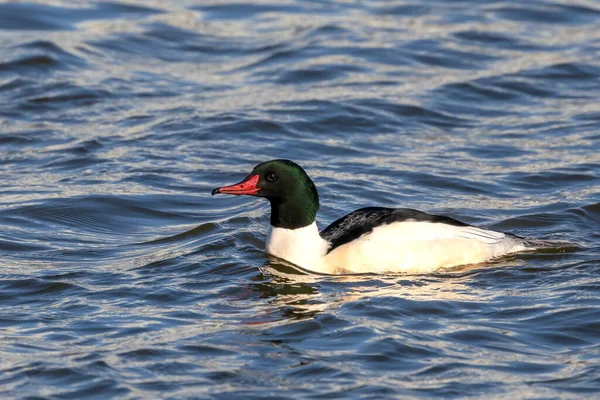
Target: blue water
(121, 277)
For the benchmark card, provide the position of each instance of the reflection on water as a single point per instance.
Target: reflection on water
(295, 293)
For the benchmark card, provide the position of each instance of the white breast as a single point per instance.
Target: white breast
(303, 246)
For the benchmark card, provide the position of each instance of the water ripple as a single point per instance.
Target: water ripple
(122, 277)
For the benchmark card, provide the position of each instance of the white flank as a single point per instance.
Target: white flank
(420, 247)
(408, 246)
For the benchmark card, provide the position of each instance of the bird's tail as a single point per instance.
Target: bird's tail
(540, 244)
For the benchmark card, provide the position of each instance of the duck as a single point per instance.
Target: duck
(368, 240)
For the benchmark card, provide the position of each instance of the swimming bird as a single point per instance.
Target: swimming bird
(372, 239)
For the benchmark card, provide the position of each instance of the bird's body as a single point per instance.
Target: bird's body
(373, 239)
(405, 245)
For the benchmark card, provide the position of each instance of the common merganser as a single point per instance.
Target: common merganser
(372, 239)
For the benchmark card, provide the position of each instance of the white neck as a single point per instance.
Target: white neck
(303, 246)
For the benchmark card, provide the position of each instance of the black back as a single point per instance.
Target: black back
(364, 220)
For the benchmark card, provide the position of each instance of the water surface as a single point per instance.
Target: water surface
(122, 278)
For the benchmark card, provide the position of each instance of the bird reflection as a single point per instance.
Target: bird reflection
(294, 293)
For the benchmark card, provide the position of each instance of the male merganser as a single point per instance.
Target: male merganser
(372, 239)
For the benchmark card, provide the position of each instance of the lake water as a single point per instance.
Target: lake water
(121, 277)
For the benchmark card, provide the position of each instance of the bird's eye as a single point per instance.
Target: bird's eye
(271, 177)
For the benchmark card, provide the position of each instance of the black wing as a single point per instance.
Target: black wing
(364, 220)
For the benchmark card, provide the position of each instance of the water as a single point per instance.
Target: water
(121, 277)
